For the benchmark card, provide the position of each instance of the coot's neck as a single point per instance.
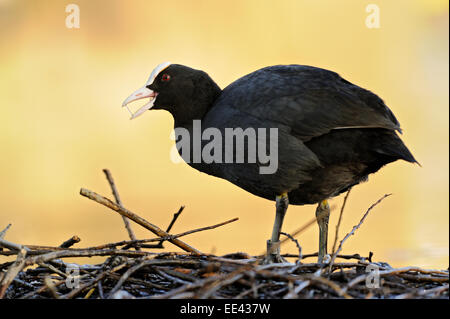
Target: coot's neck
(195, 107)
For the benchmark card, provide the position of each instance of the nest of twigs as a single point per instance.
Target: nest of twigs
(132, 269)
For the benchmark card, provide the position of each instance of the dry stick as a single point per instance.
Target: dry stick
(339, 221)
(12, 272)
(93, 282)
(50, 285)
(126, 275)
(42, 289)
(119, 202)
(301, 229)
(395, 271)
(3, 232)
(222, 282)
(70, 242)
(133, 242)
(104, 250)
(11, 245)
(203, 228)
(335, 287)
(174, 218)
(300, 257)
(294, 293)
(137, 219)
(83, 253)
(191, 286)
(354, 256)
(425, 292)
(355, 228)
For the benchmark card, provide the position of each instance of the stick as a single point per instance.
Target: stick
(92, 282)
(203, 228)
(137, 219)
(339, 221)
(51, 287)
(397, 271)
(107, 249)
(355, 228)
(172, 222)
(83, 253)
(125, 276)
(3, 232)
(12, 272)
(70, 242)
(300, 257)
(119, 202)
(11, 245)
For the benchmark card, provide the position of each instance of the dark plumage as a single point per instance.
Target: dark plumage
(331, 133)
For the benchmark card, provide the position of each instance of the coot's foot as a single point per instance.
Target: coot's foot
(273, 253)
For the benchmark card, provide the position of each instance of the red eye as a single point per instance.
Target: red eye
(165, 77)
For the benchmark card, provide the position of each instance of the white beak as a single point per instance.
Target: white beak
(144, 92)
(141, 93)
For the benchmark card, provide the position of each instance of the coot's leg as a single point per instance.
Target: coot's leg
(322, 215)
(273, 244)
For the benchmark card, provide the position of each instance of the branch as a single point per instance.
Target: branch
(3, 232)
(355, 228)
(137, 219)
(119, 202)
(12, 272)
(339, 221)
(70, 242)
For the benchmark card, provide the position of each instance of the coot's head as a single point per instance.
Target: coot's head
(185, 92)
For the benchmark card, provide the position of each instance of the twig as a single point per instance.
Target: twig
(12, 272)
(300, 257)
(93, 282)
(354, 256)
(294, 293)
(300, 230)
(119, 202)
(339, 221)
(335, 287)
(396, 272)
(126, 275)
(354, 229)
(51, 287)
(227, 280)
(70, 242)
(3, 232)
(104, 250)
(137, 219)
(100, 289)
(42, 289)
(203, 228)
(172, 222)
(11, 245)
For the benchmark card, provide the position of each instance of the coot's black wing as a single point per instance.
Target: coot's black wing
(310, 101)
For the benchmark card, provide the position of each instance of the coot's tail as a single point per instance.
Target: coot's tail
(390, 145)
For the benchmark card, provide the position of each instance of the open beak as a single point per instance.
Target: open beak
(141, 93)
(144, 92)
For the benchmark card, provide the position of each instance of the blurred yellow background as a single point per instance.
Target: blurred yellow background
(61, 118)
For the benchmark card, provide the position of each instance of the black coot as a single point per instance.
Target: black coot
(328, 134)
